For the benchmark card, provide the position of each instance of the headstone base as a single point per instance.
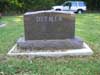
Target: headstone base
(75, 43)
(85, 51)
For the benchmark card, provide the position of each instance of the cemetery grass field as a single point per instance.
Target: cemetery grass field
(87, 27)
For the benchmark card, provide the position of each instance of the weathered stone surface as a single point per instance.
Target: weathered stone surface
(75, 43)
(49, 30)
(49, 25)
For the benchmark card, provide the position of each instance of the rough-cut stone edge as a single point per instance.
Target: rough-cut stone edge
(86, 51)
(75, 43)
(37, 12)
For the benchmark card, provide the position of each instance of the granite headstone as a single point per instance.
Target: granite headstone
(49, 30)
(49, 25)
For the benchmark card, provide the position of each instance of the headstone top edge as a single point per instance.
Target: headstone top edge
(48, 11)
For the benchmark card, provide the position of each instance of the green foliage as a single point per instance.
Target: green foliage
(25, 5)
(6, 69)
(20, 6)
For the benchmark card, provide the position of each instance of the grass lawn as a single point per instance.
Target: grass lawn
(87, 27)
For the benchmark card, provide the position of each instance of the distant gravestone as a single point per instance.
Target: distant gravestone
(1, 24)
(49, 30)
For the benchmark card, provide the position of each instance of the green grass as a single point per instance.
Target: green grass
(10, 33)
(87, 27)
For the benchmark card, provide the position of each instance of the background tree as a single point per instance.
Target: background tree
(21, 6)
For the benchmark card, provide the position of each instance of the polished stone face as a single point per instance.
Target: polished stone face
(49, 25)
